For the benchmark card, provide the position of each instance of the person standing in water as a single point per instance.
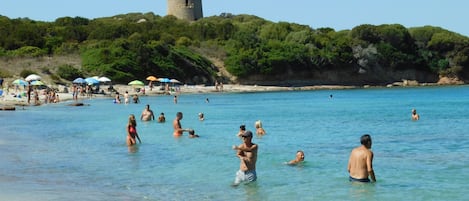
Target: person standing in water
(247, 154)
(126, 97)
(132, 134)
(161, 118)
(147, 114)
(242, 129)
(178, 130)
(259, 129)
(360, 164)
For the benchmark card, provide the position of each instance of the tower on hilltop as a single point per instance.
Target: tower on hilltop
(185, 9)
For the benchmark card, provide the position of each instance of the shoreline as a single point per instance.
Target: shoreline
(8, 100)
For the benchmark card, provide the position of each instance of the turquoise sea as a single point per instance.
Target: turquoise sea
(58, 152)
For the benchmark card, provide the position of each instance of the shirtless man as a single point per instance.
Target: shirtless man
(247, 153)
(360, 164)
(178, 130)
(415, 116)
(147, 114)
(300, 157)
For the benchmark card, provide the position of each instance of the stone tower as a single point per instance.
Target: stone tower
(185, 9)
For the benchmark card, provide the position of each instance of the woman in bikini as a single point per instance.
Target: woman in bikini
(132, 131)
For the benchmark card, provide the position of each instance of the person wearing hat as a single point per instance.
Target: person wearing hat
(247, 153)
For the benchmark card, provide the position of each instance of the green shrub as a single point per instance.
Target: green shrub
(4, 73)
(69, 72)
(55, 78)
(45, 70)
(3, 52)
(29, 51)
(26, 72)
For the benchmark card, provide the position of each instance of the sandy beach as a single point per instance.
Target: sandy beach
(9, 99)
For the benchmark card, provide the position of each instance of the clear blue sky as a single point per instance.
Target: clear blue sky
(336, 14)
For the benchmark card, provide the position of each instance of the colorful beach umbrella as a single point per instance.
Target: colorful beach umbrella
(136, 83)
(91, 81)
(20, 82)
(104, 79)
(37, 83)
(174, 81)
(32, 77)
(152, 78)
(79, 81)
(164, 80)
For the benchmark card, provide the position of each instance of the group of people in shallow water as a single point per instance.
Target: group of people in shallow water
(148, 115)
(360, 163)
(117, 98)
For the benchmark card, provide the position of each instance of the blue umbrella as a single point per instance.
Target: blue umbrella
(91, 80)
(20, 82)
(79, 81)
(164, 80)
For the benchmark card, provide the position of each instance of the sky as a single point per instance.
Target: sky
(336, 14)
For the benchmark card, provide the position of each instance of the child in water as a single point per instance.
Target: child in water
(192, 134)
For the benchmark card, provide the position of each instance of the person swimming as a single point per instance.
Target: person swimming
(300, 157)
(192, 134)
(201, 116)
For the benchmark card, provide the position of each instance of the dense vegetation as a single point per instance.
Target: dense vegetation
(131, 46)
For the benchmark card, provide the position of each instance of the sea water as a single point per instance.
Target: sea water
(60, 152)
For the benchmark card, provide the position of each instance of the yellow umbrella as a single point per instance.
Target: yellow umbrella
(37, 83)
(152, 78)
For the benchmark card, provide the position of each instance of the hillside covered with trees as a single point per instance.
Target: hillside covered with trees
(251, 49)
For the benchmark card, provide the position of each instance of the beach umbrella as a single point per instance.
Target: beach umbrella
(152, 78)
(91, 81)
(164, 80)
(79, 81)
(32, 77)
(104, 79)
(20, 82)
(136, 83)
(37, 83)
(174, 81)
